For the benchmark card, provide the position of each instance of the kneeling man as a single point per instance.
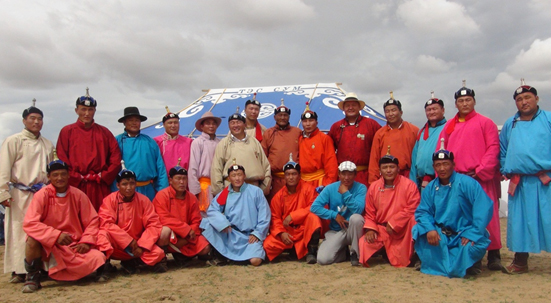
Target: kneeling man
(293, 225)
(389, 215)
(237, 221)
(345, 200)
(450, 235)
(129, 227)
(178, 210)
(62, 227)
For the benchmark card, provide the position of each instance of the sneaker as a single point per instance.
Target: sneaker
(354, 260)
(31, 286)
(311, 259)
(515, 269)
(217, 262)
(417, 265)
(17, 278)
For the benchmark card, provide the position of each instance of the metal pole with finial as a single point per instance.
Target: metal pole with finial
(87, 92)
(55, 155)
(291, 157)
(432, 94)
(391, 95)
(442, 144)
(282, 102)
(179, 159)
(34, 102)
(122, 164)
(522, 83)
(388, 151)
(464, 83)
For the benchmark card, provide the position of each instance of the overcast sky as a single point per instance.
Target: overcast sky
(155, 53)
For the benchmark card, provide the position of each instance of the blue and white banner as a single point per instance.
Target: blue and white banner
(323, 98)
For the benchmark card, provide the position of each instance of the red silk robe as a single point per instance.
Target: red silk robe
(48, 216)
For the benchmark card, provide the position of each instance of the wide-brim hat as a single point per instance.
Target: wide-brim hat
(206, 115)
(351, 97)
(132, 111)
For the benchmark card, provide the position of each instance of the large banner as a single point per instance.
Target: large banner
(323, 98)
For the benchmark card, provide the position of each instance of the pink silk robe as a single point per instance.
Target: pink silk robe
(181, 216)
(395, 207)
(121, 222)
(48, 216)
(174, 148)
(475, 145)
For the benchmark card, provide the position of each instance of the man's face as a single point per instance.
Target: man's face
(252, 111)
(237, 178)
(309, 125)
(178, 182)
(444, 168)
(172, 126)
(127, 187)
(132, 124)
(85, 113)
(209, 127)
(389, 171)
(465, 105)
(59, 179)
(292, 177)
(347, 177)
(282, 119)
(434, 112)
(33, 123)
(237, 127)
(351, 109)
(393, 114)
(527, 103)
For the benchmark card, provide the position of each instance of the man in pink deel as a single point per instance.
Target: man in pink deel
(173, 146)
(474, 140)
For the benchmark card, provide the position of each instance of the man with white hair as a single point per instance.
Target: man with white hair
(345, 202)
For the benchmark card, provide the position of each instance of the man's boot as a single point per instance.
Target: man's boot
(518, 266)
(311, 257)
(32, 283)
(494, 260)
(476, 269)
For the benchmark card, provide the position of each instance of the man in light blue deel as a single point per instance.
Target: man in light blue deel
(525, 158)
(237, 221)
(141, 153)
(450, 236)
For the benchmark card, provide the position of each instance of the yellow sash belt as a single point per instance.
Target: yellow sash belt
(315, 176)
(279, 174)
(361, 167)
(143, 183)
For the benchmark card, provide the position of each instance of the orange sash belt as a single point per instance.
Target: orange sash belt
(315, 176)
(361, 167)
(143, 183)
(280, 174)
(204, 196)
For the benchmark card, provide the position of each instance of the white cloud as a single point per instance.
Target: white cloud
(534, 62)
(10, 123)
(430, 64)
(437, 17)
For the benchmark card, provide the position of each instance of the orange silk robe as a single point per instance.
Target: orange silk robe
(395, 207)
(303, 223)
(121, 222)
(181, 216)
(318, 152)
(401, 141)
(48, 216)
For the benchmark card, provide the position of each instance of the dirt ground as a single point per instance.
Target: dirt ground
(293, 281)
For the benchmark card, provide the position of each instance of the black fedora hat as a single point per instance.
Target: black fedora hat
(132, 111)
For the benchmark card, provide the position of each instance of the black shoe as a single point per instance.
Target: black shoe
(181, 260)
(475, 270)
(130, 267)
(311, 259)
(354, 260)
(160, 267)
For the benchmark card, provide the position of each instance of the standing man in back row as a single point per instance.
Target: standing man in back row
(473, 138)
(91, 152)
(253, 128)
(172, 145)
(353, 134)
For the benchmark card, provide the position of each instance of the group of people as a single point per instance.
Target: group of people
(415, 197)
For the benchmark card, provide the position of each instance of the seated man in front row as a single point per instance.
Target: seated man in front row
(389, 215)
(130, 228)
(178, 210)
(450, 235)
(346, 201)
(293, 225)
(62, 226)
(237, 221)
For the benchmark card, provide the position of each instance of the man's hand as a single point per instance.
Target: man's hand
(191, 235)
(342, 222)
(136, 250)
(343, 188)
(389, 229)
(433, 237)
(287, 238)
(471, 173)
(227, 230)
(82, 248)
(6, 203)
(370, 236)
(287, 221)
(465, 241)
(253, 239)
(64, 239)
